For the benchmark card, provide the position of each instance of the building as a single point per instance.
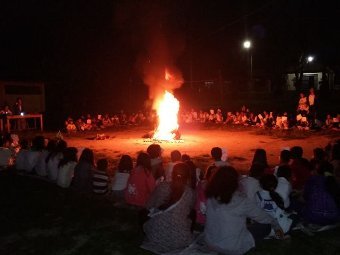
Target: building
(32, 94)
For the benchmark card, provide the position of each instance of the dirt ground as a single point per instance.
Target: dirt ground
(240, 144)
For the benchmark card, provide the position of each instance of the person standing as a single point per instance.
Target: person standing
(18, 109)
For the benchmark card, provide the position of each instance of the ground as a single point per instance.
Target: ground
(240, 143)
(37, 217)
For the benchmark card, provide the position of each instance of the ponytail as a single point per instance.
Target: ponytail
(277, 199)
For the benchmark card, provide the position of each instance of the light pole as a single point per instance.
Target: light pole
(247, 45)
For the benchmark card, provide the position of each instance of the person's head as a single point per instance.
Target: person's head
(268, 182)
(302, 95)
(260, 157)
(296, 152)
(223, 184)
(257, 170)
(5, 141)
(61, 146)
(69, 155)
(125, 164)
(102, 164)
(210, 172)
(311, 91)
(336, 152)
(19, 100)
(87, 156)
(51, 145)
(185, 157)
(181, 174)
(318, 154)
(284, 171)
(154, 150)
(285, 156)
(175, 156)
(144, 161)
(216, 153)
(24, 144)
(38, 143)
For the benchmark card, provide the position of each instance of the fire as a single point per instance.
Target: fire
(167, 110)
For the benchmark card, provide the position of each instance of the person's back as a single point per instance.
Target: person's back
(5, 157)
(169, 227)
(300, 168)
(225, 227)
(21, 159)
(100, 179)
(82, 179)
(227, 210)
(41, 168)
(176, 157)
(249, 185)
(52, 166)
(139, 187)
(321, 207)
(65, 174)
(284, 187)
(32, 160)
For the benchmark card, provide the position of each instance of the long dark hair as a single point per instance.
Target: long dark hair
(260, 157)
(179, 181)
(61, 145)
(144, 161)
(223, 184)
(87, 156)
(69, 155)
(269, 183)
(125, 164)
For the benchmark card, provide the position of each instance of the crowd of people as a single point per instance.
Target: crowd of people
(305, 117)
(173, 198)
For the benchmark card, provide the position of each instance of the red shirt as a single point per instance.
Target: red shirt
(300, 173)
(139, 187)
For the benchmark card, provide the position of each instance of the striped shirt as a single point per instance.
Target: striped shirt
(100, 182)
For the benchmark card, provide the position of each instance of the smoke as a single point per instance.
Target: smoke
(158, 45)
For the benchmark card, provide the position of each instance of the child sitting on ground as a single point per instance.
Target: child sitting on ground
(100, 179)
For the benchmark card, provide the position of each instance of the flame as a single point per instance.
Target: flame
(167, 110)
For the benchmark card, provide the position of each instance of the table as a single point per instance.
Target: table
(26, 116)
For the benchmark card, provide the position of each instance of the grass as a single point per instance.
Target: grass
(36, 217)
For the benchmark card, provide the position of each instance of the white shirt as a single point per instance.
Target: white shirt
(32, 160)
(21, 160)
(225, 229)
(65, 174)
(284, 188)
(120, 181)
(249, 186)
(5, 156)
(52, 167)
(40, 167)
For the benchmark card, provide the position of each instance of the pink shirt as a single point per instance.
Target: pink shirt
(201, 202)
(139, 187)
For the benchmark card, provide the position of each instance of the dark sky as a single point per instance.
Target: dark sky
(92, 49)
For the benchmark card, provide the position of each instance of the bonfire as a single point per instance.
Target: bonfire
(167, 107)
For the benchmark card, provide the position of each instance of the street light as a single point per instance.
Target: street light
(310, 59)
(247, 45)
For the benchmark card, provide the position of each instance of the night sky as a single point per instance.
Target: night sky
(89, 53)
